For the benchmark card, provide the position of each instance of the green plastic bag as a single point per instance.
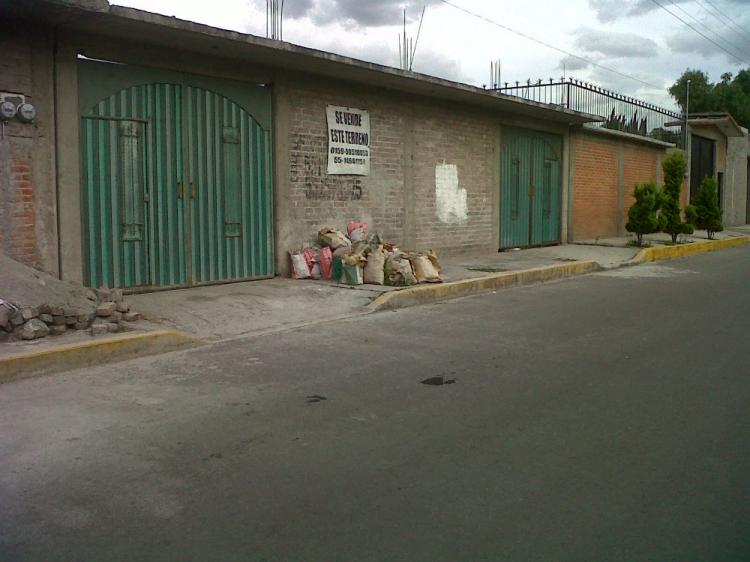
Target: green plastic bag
(337, 270)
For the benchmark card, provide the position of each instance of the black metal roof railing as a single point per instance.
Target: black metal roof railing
(619, 112)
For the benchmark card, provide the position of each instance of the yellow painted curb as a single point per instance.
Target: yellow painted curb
(682, 250)
(95, 352)
(424, 294)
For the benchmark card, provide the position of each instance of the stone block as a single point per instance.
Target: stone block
(71, 320)
(4, 336)
(45, 309)
(113, 327)
(29, 312)
(70, 311)
(58, 320)
(105, 309)
(131, 317)
(57, 329)
(86, 317)
(32, 329)
(81, 325)
(116, 295)
(91, 295)
(5, 315)
(46, 318)
(116, 316)
(57, 311)
(123, 307)
(16, 319)
(98, 328)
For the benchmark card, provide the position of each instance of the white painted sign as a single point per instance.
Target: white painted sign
(450, 199)
(348, 140)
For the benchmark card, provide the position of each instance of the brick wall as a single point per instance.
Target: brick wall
(27, 223)
(594, 187)
(639, 167)
(409, 138)
(606, 170)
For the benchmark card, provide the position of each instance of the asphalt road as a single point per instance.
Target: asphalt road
(600, 418)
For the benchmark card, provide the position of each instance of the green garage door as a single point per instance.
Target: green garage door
(176, 178)
(530, 189)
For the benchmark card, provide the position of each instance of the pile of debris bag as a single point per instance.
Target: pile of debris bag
(360, 257)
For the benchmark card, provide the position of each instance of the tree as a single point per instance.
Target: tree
(729, 95)
(707, 210)
(671, 220)
(642, 217)
(702, 97)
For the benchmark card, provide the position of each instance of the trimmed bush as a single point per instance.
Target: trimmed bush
(670, 218)
(642, 217)
(707, 210)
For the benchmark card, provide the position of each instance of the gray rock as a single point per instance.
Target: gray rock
(91, 295)
(4, 317)
(123, 307)
(103, 294)
(57, 311)
(131, 317)
(46, 318)
(16, 319)
(33, 329)
(116, 295)
(86, 317)
(4, 336)
(98, 328)
(58, 320)
(29, 312)
(113, 327)
(81, 325)
(56, 330)
(105, 309)
(70, 311)
(45, 309)
(116, 316)
(71, 320)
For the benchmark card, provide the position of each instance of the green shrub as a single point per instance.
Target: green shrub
(707, 210)
(670, 218)
(642, 217)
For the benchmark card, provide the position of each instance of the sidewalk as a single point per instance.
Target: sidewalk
(221, 312)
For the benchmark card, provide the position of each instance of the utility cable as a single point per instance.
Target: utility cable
(739, 49)
(699, 32)
(725, 18)
(548, 45)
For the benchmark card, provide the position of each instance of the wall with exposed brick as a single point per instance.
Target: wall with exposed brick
(27, 206)
(412, 140)
(595, 183)
(606, 167)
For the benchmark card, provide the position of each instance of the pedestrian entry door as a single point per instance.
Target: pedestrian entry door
(176, 178)
(530, 189)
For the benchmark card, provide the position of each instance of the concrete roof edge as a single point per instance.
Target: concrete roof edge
(141, 16)
(624, 135)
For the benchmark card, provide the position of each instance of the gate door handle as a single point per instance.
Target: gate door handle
(180, 190)
(193, 190)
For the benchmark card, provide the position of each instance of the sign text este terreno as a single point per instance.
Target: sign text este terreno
(348, 141)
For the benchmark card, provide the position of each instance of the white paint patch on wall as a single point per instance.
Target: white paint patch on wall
(450, 199)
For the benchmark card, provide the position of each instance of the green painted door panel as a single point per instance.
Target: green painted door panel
(530, 189)
(176, 186)
(228, 163)
(132, 171)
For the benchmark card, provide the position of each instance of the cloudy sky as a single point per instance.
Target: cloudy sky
(647, 46)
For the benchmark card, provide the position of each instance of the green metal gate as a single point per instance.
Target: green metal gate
(176, 179)
(530, 189)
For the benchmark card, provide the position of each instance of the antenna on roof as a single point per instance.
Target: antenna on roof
(275, 19)
(495, 74)
(407, 46)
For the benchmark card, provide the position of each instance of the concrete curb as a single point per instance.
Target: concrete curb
(424, 294)
(95, 352)
(673, 252)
